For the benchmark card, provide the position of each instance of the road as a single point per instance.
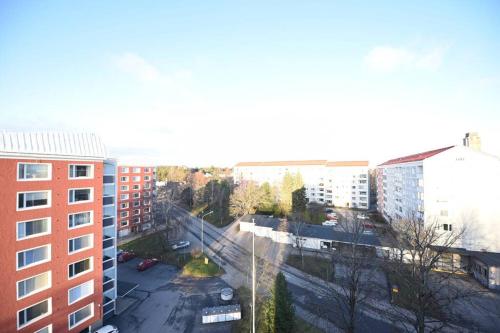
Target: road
(313, 296)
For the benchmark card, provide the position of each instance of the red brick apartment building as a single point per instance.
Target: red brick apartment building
(136, 190)
(57, 230)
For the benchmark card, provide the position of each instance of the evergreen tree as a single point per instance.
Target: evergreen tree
(299, 200)
(284, 311)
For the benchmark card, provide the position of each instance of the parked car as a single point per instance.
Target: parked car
(181, 245)
(330, 223)
(329, 210)
(362, 217)
(146, 263)
(108, 329)
(125, 256)
(368, 232)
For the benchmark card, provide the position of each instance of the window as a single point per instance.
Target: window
(33, 285)
(147, 194)
(147, 186)
(136, 178)
(447, 227)
(123, 214)
(136, 195)
(147, 202)
(34, 171)
(136, 187)
(80, 243)
(81, 171)
(124, 205)
(147, 169)
(124, 178)
(80, 292)
(147, 178)
(80, 195)
(34, 313)
(136, 170)
(137, 212)
(124, 188)
(147, 210)
(124, 196)
(33, 228)
(46, 329)
(124, 223)
(124, 170)
(80, 267)
(80, 219)
(32, 200)
(137, 220)
(79, 316)
(32, 257)
(137, 203)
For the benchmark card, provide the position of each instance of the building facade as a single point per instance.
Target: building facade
(454, 187)
(136, 192)
(333, 183)
(58, 232)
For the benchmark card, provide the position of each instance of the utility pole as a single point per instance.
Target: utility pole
(210, 212)
(253, 277)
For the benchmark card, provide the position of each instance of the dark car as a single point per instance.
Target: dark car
(146, 263)
(125, 256)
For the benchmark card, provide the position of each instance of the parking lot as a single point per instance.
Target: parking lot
(166, 301)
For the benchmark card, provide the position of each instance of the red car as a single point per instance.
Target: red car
(368, 226)
(146, 263)
(125, 256)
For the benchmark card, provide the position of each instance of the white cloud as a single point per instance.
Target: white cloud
(138, 67)
(388, 59)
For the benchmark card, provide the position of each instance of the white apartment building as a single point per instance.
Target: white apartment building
(454, 186)
(333, 183)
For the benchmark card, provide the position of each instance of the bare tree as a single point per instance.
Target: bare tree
(165, 202)
(297, 228)
(423, 297)
(356, 281)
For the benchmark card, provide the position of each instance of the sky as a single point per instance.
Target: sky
(203, 83)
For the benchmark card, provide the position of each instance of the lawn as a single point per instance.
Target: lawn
(196, 267)
(154, 246)
(316, 266)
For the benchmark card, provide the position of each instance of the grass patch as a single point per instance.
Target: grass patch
(155, 246)
(316, 266)
(217, 218)
(196, 267)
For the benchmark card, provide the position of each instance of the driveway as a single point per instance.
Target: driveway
(165, 301)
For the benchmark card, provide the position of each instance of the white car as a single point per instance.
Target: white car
(181, 245)
(362, 217)
(108, 329)
(330, 223)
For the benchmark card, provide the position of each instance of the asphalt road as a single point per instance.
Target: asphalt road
(312, 295)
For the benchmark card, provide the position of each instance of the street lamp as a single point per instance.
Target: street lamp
(210, 212)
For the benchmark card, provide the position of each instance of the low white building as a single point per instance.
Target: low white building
(454, 187)
(340, 183)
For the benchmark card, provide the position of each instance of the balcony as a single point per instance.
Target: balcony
(107, 263)
(108, 221)
(107, 242)
(108, 179)
(108, 307)
(108, 284)
(108, 200)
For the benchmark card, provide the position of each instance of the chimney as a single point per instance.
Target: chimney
(472, 140)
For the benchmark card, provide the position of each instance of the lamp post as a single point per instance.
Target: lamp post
(210, 212)
(253, 277)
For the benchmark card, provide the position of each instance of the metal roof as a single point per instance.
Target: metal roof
(311, 230)
(416, 157)
(225, 309)
(55, 144)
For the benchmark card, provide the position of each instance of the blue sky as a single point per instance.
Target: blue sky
(219, 82)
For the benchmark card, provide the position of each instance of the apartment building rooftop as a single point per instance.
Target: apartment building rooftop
(52, 144)
(416, 157)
